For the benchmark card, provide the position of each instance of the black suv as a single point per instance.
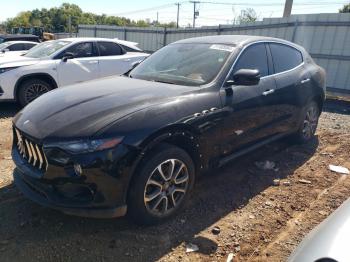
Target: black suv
(136, 143)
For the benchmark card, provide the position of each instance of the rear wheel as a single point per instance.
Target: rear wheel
(309, 124)
(161, 187)
(32, 89)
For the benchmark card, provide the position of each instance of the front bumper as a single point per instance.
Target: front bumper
(7, 84)
(99, 192)
(45, 196)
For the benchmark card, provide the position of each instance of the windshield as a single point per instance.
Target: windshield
(184, 64)
(46, 49)
(4, 45)
(1, 40)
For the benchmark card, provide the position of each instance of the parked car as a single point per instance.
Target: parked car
(62, 62)
(137, 143)
(18, 37)
(16, 47)
(328, 242)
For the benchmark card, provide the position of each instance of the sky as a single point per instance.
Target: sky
(211, 13)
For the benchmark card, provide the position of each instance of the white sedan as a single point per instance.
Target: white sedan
(63, 62)
(15, 47)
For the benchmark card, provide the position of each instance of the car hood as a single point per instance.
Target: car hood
(9, 60)
(82, 110)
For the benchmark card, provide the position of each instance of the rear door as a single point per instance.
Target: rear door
(83, 67)
(290, 75)
(113, 59)
(247, 118)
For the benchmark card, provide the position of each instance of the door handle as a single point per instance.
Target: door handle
(268, 92)
(305, 80)
(93, 62)
(127, 60)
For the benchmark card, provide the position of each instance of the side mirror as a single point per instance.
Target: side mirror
(246, 77)
(67, 56)
(5, 50)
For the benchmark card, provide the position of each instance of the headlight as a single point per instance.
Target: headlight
(3, 70)
(87, 146)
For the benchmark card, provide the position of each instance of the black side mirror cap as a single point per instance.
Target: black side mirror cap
(67, 56)
(246, 77)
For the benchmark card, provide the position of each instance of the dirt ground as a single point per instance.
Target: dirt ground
(255, 216)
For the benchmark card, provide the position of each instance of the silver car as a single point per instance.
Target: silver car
(329, 241)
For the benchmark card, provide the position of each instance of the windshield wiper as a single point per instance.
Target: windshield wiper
(163, 81)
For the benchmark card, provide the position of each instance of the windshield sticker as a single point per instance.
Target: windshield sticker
(226, 48)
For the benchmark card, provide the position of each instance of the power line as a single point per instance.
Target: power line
(269, 4)
(147, 9)
(178, 14)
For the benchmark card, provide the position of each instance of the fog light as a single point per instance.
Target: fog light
(77, 169)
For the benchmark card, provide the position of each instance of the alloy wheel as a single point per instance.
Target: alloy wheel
(310, 122)
(34, 91)
(166, 187)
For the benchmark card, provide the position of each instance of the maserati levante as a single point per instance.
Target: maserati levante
(136, 144)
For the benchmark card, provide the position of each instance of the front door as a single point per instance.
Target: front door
(246, 118)
(83, 67)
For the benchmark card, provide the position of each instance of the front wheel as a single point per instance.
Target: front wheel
(309, 123)
(161, 187)
(31, 89)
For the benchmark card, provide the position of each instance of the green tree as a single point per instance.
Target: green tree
(56, 19)
(345, 9)
(247, 15)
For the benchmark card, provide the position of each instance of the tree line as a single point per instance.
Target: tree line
(59, 19)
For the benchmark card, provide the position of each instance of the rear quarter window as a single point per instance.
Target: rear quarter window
(129, 49)
(285, 57)
(109, 49)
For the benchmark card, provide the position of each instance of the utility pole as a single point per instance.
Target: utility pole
(195, 13)
(157, 19)
(70, 26)
(287, 8)
(178, 12)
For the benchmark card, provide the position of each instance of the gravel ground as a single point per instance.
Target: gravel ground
(255, 214)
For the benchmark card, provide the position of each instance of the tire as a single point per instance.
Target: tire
(152, 196)
(31, 89)
(308, 125)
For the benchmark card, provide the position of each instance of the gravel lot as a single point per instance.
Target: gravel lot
(256, 214)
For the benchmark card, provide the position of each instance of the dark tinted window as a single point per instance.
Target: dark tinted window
(28, 46)
(80, 50)
(285, 57)
(16, 47)
(129, 49)
(254, 57)
(109, 48)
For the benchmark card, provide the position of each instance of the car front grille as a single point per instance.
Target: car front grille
(31, 152)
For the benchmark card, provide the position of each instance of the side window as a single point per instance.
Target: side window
(28, 46)
(129, 49)
(254, 57)
(16, 47)
(285, 57)
(109, 49)
(81, 50)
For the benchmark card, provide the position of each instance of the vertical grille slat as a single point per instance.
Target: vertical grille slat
(30, 151)
(41, 162)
